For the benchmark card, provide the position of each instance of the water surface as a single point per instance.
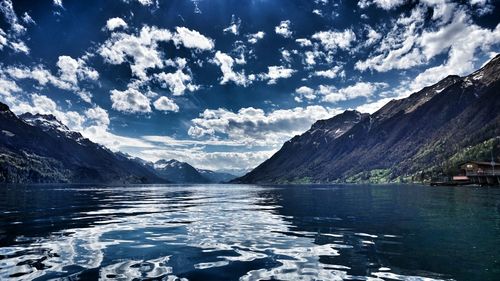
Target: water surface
(244, 232)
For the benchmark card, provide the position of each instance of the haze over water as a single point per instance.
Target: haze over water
(244, 232)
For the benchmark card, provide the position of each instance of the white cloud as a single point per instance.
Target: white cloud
(283, 29)
(304, 92)
(329, 73)
(58, 3)
(234, 27)
(327, 93)
(309, 58)
(384, 4)
(27, 19)
(192, 39)
(255, 37)
(20, 47)
(115, 23)
(373, 37)
(219, 160)
(130, 101)
(177, 82)
(140, 51)
(226, 62)
(12, 38)
(166, 104)
(254, 126)
(287, 56)
(44, 105)
(277, 72)
(360, 89)
(452, 33)
(395, 51)
(332, 40)
(303, 42)
(71, 73)
(7, 9)
(72, 70)
(98, 115)
(8, 87)
(3, 39)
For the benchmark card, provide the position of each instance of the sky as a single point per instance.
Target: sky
(222, 84)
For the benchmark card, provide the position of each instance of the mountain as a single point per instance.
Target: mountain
(216, 177)
(182, 172)
(36, 148)
(178, 172)
(411, 139)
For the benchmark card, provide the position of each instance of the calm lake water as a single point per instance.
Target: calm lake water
(243, 232)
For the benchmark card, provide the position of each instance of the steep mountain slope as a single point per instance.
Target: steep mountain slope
(407, 139)
(178, 172)
(38, 148)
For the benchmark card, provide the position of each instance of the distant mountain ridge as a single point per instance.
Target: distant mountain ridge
(410, 139)
(182, 172)
(36, 148)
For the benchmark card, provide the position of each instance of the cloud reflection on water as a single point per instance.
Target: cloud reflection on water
(152, 232)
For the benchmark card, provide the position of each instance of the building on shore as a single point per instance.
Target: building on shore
(483, 173)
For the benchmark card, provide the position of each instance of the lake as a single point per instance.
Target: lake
(246, 232)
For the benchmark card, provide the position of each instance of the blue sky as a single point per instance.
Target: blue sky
(222, 84)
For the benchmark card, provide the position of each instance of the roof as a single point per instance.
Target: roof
(482, 163)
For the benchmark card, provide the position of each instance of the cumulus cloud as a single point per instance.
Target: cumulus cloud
(396, 48)
(329, 73)
(303, 42)
(141, 50)
(192, 39)
(383, 4)
(255, 126)
(7, 9)
(283, 29)
(58, 3)
(71, 72)
(304, 92)
(454, 34)
(360, 89)
(98, 115)
(130, 101)
(166, 104)
(331, 40)
(8, 87)
(234, 27)
(177, 82)
(276, 72)
(332, 94)
(255, 37)
(226, 63)
(115, 23)
(12, 36)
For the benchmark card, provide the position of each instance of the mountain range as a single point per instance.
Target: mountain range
(38, 148)
(412, 139)
(182, 172)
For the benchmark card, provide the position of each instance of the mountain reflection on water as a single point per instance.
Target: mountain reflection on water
(243, 232)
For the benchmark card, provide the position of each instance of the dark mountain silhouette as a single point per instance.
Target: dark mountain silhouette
(411, 139)
(37, 148)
